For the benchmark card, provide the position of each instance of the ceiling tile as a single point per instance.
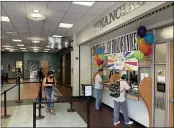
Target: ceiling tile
(35, 24)
(61, 31)
(41, 6)
(78, 8)
(60, 6)
(18, 21)
(3, 13)
(104, 5)
(22, 28)
(72, 15)
(69, 21)
(53, 13)
(7, 27)
(53, 20)
(95, 11)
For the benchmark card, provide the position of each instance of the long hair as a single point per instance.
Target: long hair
(50, 73)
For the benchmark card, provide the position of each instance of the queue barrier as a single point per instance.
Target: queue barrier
(63, 99)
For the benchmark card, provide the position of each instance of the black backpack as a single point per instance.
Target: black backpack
(115, 89)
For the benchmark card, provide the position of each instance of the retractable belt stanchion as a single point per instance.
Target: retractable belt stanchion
(71, 109)
(40, 96)
(34, 114)
(19, 90)
(40, 116)
(5, 106)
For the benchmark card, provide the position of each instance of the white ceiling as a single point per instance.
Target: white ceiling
(55, 12)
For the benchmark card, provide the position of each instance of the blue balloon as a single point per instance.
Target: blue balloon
(149, 38)
(99, 51)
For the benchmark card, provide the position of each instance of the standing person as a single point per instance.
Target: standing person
(98, 89)
(48, 82)
(41, 75)
(120, 102)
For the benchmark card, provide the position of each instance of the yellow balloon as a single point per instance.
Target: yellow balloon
(140, 40)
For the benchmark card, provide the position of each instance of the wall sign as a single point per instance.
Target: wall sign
(117, 14)
(118, 45)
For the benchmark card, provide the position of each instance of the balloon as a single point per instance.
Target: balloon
(102, 57)
(140, 40)
(96, 57)
(99, 51)
(99, 62)
(149, 38)
(148, 52)
(143, 47)
(95, 63)
(139, 55)
(141, 31)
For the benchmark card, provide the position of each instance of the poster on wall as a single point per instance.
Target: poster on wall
(10, 66)
(161, 75)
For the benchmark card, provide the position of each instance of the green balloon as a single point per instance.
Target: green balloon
(139, 55)
(102, 57)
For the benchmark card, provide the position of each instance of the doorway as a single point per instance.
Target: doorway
(19, 64)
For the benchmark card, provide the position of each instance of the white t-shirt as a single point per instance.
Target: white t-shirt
(98, 79)
(123, 87)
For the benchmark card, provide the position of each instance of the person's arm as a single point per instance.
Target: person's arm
(126, 86)
(44, 83)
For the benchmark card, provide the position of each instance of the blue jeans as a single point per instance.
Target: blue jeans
(98, 95)
(123, 107)
(48, 95)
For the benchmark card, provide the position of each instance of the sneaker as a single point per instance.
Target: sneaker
(116, 123)
(130, 122)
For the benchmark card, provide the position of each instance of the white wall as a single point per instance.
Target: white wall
(75, 68)
(85, 65)
(88, 32)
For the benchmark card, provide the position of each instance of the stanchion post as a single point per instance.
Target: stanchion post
(34, 114)
(71, 109)
(5, 107)
(88, 112)
(19, 91)
(40, 96)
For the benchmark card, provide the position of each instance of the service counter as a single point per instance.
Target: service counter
(136, 106)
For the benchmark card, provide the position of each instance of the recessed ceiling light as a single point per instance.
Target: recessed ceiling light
(35, 10)
(7, 48)
(5, 19)
(20, 45)
(11, 33)
(35, 41)
(84, 3)
(65, 25)
(36, 16)
(35, 49)
(47, 49)
(48, 46)
(57, 36)
(22, 48)
(17, 40)
(11, 50)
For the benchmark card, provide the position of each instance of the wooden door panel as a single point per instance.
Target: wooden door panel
(44, 65)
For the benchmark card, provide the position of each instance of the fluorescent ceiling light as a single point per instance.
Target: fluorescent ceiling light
(20, 45)
(5, 19)
(65, 25)
(35, 10)
(11, 50)
(22, 48)
(11, 32)
(7, 48)
(17, 40)
(47, 49)
(84, 3)
(35, 41)
(57, 36)
(48, 46)
(35, 49)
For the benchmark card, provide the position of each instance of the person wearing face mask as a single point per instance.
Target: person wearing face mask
(48, 82)
(98, 89)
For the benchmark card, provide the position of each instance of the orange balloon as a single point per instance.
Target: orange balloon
(96, 58)
(143, 47)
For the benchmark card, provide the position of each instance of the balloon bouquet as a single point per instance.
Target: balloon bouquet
(98, 59)
(145, 41)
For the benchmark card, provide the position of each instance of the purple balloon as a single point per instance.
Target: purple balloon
(141, 31)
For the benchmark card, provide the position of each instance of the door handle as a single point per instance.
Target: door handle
(172, 101)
